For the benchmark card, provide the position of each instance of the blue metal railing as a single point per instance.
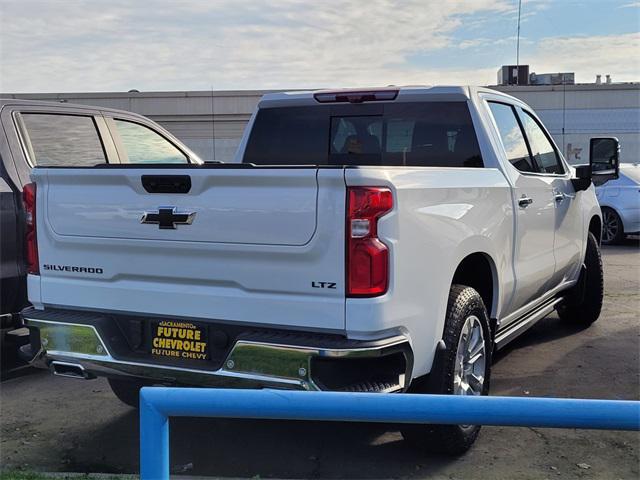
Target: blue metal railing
(157, 404)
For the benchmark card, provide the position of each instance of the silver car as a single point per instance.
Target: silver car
(620, 203)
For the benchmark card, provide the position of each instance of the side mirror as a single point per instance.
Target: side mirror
(604, 158)
(604, 163)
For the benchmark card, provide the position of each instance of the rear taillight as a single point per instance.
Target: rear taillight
(367, 257)
(31, 243)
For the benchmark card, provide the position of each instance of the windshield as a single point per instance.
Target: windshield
(632, 172)
(436, 134)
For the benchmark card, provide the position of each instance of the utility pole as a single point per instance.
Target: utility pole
(518, 45)
(213, 127)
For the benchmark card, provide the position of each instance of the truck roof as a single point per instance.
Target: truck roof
(404, 93)
(63, 104)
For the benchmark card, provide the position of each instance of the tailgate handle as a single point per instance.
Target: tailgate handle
(166, 183)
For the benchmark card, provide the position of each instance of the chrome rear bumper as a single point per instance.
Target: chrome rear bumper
(249, 364)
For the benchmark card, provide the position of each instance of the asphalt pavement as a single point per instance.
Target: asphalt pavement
(56, 424)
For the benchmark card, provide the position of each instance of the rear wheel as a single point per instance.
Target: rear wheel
(612, 227)
(584, 303)
(127, 391)
(464, 369)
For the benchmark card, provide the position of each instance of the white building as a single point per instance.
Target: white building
(572, 113)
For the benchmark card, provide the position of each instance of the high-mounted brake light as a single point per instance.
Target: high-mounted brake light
(353, 96)
(31, 243)
(367, 257)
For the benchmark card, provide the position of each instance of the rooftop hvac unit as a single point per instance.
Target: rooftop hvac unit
(567, 78)
(513, 75)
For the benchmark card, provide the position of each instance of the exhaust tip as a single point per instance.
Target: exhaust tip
(71, 370)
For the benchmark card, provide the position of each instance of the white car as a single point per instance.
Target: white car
(620, 203)
(385, 240)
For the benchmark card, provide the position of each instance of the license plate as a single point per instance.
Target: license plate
(179, 340)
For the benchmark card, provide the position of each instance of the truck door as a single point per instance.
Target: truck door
(568, 218)
(533, 259)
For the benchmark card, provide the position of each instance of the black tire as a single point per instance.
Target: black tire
(612, 227)
(127, 391)
(584, 303)
(464, 302)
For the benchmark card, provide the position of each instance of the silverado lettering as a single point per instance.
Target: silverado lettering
(74, 269)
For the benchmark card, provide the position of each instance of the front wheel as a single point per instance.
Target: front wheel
(584, 303)
(464, 369)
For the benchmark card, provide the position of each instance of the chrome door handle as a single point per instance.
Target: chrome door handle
(558, 196)
(525, 201)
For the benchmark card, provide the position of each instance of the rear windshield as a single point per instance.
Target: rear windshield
(430, 134)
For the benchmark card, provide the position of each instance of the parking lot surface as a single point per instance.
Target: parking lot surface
(57, 424)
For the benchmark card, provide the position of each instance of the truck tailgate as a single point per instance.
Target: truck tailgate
(239, 244)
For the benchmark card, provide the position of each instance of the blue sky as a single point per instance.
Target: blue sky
(117, 45)
(539, 20)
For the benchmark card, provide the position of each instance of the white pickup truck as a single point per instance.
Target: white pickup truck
(385, 240)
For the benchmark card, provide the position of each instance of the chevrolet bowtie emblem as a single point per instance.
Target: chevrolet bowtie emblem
(168, 218)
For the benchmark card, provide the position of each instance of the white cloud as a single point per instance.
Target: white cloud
(588, 56)
(227, 44)
(475, 42)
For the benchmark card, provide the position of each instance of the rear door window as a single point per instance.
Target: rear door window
(56, 140)
(438, 134)
(140, 144)
(515, 145)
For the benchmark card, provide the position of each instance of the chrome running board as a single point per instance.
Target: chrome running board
(523, 324)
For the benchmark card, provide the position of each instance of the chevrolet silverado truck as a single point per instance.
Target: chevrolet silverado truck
(36, 133)
(386, 240)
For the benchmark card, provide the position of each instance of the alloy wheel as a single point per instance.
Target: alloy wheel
(471, 358)
(611, 226)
